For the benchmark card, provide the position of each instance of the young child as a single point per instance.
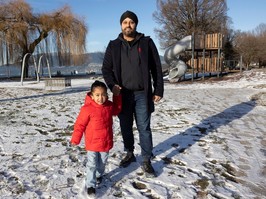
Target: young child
(95, 121)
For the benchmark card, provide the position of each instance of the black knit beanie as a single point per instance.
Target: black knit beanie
(129, 14)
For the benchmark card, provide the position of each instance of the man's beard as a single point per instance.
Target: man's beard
(129, 32)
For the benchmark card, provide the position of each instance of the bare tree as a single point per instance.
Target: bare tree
(22, 32)
(246, 45)
(179, 18)
(260, 33)
(251, 45)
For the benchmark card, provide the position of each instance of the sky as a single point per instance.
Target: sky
(209, 141)
(102, 16)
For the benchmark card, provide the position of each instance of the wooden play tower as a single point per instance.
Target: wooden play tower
(206, 54)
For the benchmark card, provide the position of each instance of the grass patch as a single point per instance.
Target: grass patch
(202, 183)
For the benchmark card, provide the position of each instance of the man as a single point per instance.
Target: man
(132, 66)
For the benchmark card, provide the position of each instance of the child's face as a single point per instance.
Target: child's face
(99, 95)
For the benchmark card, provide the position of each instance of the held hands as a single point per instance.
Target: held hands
(116, 89)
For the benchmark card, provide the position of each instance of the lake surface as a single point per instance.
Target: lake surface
(15, 71)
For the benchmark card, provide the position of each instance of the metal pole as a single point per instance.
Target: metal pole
(203, 68)
(241, 63)
(23, 65)
(192, 56)
(49, 70)
(219, 54)
(39, 66)
(36, 70)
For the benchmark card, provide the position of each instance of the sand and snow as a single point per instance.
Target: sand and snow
(209, 142)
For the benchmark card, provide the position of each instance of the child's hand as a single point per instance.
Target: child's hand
(73, 152)
(71, 147)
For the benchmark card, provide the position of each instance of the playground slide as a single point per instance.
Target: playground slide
(177, 68)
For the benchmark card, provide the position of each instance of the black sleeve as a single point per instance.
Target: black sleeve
(108, 68)
(156, 70)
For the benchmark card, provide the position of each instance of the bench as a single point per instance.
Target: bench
(57, 83)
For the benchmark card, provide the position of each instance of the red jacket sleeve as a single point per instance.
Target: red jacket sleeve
(80, 125)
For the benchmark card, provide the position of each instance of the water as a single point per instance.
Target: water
(15, 71)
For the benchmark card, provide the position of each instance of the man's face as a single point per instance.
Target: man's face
(128, 27)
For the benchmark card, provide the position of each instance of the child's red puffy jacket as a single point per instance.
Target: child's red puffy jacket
(96, 122)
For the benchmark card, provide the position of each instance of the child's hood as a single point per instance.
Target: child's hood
(88, 99)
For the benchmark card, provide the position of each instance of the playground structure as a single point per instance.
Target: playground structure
(205, 55)
(177, 67)
(37, 68)
(50, 83)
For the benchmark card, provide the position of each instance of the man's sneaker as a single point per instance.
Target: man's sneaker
(99, 180)
(148, 169)
(91, 191)
(130, 157)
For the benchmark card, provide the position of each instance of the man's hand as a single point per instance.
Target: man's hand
(116, 89)
(156, 98)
